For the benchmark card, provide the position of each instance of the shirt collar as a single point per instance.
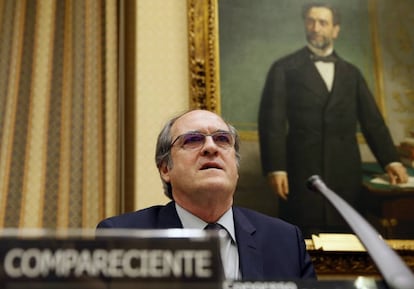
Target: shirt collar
(191, 221)
(319, 52)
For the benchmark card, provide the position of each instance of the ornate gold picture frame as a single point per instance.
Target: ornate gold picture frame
(203, 54)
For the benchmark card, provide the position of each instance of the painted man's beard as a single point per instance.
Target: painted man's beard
(321, 42)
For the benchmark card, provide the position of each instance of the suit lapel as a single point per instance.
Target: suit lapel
(313, 79)
(168, 217)
(339, 85)
(251, 261)
(308, 75)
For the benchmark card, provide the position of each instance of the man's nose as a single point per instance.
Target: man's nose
(209, 146)
(316, 27)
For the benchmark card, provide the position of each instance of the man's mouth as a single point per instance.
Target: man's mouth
(211, 165)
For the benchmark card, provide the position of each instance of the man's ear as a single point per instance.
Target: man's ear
(165, 172)
(337, 28)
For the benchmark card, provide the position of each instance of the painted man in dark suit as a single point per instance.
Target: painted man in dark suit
(311, 105)
(197, 156)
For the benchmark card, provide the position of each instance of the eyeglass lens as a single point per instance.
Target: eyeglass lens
(196, 140)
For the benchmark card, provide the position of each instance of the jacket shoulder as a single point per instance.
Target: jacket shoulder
(292, 60)
(260, 220)
(142, 219)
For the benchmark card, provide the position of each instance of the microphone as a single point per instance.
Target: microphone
(395, 272)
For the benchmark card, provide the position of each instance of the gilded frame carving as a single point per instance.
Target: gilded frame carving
(353, 263)
(203, 54)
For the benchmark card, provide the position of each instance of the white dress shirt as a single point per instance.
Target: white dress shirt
(228, 248)
(326, 69)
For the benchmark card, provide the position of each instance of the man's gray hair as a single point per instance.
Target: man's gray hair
(163, 149)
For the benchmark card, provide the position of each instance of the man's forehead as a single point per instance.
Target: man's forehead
(199, 121)
(321, 13)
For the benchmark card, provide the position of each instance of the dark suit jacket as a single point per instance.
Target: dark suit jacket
(304, 129)
(269, 248)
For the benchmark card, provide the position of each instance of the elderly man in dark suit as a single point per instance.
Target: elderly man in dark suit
(311, 106)
(197, 156)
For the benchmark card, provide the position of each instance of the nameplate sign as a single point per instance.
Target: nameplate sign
(129, 259)
(358, 283)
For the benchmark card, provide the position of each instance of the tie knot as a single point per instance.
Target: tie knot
(328, 58)
(213, 226)
(218, 227)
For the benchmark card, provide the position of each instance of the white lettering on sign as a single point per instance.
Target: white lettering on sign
(115, 263)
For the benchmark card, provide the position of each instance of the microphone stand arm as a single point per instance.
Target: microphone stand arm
(395, 272)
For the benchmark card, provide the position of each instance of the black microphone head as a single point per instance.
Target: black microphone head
(311, 181)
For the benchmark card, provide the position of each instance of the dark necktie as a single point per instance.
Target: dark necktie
(218, 227)
(329, 58)
(213, 226)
